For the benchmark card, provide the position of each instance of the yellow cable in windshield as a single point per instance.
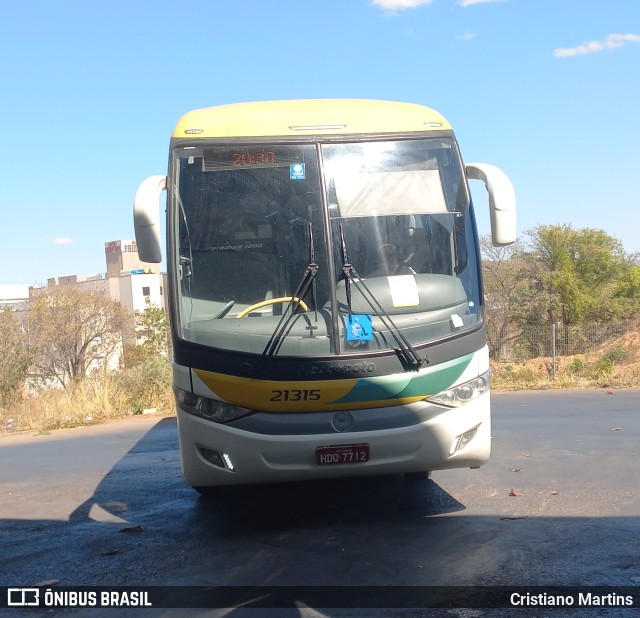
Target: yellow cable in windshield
(274, 301)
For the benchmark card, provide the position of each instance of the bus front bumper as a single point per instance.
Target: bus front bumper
(217, 454)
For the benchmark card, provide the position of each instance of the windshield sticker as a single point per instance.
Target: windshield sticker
(359, 328)
(296, 171)
(457, 321)
(404, 291)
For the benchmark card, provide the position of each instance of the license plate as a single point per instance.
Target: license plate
(346, 454)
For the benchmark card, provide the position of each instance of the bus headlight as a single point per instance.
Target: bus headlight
(461, 394)
(211, 409)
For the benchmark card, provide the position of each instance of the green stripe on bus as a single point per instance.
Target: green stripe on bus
(424, 383)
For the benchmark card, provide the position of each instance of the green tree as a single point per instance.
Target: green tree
(581, 275)
(152, 326)
(15, 357)
(74, 330)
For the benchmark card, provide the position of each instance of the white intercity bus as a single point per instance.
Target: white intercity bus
(325, 290)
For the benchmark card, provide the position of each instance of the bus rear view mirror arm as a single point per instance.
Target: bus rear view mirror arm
(146, 217)
(502, 201)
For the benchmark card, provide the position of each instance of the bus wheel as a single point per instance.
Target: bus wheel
(207, 492)
(417, 476)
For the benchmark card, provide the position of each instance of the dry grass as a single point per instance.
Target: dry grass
(94, 400)
(615, 364)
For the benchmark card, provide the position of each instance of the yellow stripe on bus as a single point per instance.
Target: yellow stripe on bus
(297, 396)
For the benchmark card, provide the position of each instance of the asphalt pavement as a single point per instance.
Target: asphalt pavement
(558, 504)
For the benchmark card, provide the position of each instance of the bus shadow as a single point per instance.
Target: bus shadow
(322, 502)
(255, 507)
(368, 531)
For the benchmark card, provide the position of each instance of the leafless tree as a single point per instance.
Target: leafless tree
(73, 331)
(15, 356)
(501, 269)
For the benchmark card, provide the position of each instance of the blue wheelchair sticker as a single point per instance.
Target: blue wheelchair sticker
(359, 328)
(296, 171)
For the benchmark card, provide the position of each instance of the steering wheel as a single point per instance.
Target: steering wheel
(273, 301)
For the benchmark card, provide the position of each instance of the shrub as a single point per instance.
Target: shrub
(146, 385)
(576, 366)
(603, 366)
(616, 355)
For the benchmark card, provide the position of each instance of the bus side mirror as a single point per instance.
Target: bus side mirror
(146, 218)
(502, 201)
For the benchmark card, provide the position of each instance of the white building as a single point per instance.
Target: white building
(132, 282)
(13, 297)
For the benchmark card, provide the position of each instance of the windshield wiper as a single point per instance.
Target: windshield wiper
(407, 353)
(307, 281)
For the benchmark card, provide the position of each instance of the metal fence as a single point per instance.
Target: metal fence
(512, 343)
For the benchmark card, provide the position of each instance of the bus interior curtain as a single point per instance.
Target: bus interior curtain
(390, 193)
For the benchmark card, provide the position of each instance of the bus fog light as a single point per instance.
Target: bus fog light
(459, 442)
(228, 462)
(212, 457)
(221, 460)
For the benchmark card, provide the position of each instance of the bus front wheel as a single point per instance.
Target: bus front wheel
(418, 476)
(207, 492)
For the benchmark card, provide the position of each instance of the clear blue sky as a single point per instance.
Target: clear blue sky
(548, 90)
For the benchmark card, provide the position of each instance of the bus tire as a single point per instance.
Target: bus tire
(418, 476)
(207, 492)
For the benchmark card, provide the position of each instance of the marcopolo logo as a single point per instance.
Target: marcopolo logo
(342, 370)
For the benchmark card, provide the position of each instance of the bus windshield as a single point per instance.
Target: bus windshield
(250, 219)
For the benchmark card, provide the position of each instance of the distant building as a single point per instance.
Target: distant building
(130, 281)
(14, 297)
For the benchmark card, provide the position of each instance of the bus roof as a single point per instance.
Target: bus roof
(306, 117)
